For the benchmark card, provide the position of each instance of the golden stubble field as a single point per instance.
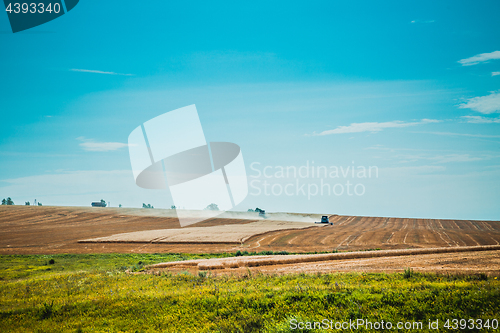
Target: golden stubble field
(45, 230)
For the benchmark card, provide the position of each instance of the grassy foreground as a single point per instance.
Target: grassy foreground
(92, 293)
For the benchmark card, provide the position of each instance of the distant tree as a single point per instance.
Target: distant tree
(251, 210)
(4, 202)
(147, 206)
(212, 206)
(39, 204)
(120, 206)
(103, 202)
(258, 210)
(172, 207)
(27, 203)
(10, 202)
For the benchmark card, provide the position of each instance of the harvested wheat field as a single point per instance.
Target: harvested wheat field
(272, 260)
(220, 234)
(47, 230)
(462, 260)
(360, 233)
(51, 230)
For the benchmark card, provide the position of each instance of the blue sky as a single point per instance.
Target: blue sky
(409, 87)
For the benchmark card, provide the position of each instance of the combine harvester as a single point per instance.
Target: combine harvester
(324, 220)
(262, 213)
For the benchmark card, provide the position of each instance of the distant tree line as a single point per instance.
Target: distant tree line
(27, 203)
(9, 202)
(212, 206)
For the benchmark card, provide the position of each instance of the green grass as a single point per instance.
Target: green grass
(92, 293)
(21, 266)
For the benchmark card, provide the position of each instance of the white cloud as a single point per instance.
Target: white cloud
(481, 120)
(374, 126)
(495, 73)
(407, 171)
(456, 158)
(91, 145)
(439, 159)
(478, 58)
(462, 134)
(420, 21)
(97, 72)
(484, 104)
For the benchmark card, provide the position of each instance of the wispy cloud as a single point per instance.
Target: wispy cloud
(481, 120)
(435, 156)
(91, 145)
(440, 159)
(414, 170)
(479, 58)
(374, 126)
(98, 72)
(495, 73)
(463, 134)
(485, 104)
(423, 21)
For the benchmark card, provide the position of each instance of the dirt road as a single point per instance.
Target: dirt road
(467, 260)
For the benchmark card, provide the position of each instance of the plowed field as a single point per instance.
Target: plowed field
(45, 230)
(359, 233)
